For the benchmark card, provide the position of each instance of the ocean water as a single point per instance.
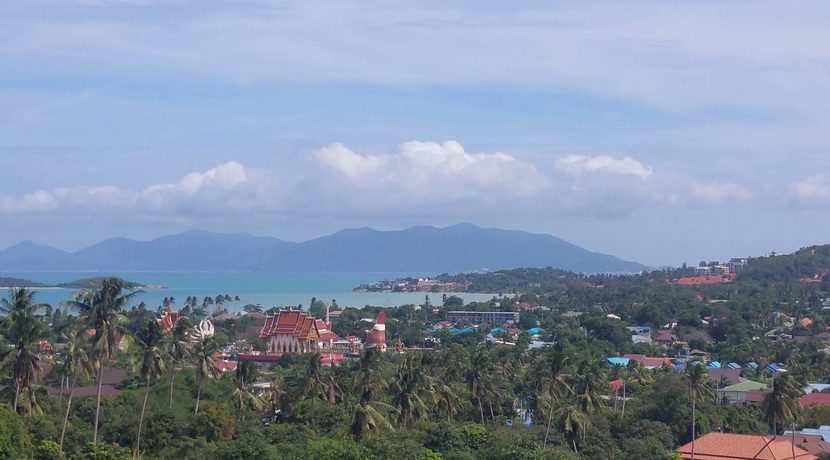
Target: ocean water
(265, 289)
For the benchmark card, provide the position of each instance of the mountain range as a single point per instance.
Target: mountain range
(462, 247)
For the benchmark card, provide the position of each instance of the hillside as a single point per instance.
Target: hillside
(458, 248)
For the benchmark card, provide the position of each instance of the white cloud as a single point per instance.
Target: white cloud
(429, 171)
(581, 164)
(718, 193)
(417, 180)
(814, 188)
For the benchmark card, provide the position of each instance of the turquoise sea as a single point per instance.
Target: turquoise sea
(266, 289)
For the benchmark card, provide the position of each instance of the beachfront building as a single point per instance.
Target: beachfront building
(294, 331)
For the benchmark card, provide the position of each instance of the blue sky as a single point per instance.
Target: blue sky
(657, 132)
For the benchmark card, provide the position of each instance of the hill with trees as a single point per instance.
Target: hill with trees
(418, 249)
(449, 394)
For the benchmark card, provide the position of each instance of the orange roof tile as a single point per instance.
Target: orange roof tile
(730, 446)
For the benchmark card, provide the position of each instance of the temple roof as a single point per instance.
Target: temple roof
(291, 322)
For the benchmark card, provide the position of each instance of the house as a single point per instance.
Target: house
(737, 392)
(812, 443)
(727, 376)
(665, 338)
(815, 387)
(731, 446)
(756, 396)
(650, 362)
(814, 399)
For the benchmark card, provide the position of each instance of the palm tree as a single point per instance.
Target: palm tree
(205, 368)
(410, 388)
(21, 299)
(102, 308)
(639, 374)
(277, 398)
(314, 386)
(556, 386)
(698, 381)
(781, 403)
(589, 383)
(445, 399)
(252, 308)
(76, 363)
(177, 347)
(150, 363)
(368, 384)
(478, 378)
(23, 331)
(241, 394)
(573, 423)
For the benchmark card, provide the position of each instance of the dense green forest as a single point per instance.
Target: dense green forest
(448, 395)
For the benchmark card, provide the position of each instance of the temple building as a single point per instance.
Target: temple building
(168, 320)
(376, 336)
(294, 331)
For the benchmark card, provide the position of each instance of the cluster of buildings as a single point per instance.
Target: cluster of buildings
(295, 331)
(411, 285)
(733, 266)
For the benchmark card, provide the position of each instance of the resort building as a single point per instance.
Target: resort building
(478, 317)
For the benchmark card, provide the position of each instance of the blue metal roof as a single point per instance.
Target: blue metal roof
(713, 365)
(618, 360)
(733, 365)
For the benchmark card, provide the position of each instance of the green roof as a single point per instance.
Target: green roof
(745, 386)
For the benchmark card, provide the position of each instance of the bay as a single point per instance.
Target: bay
(266, 289)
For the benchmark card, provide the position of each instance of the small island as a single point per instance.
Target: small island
(83, 283)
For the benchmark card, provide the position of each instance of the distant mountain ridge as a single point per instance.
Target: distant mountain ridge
(462, 247)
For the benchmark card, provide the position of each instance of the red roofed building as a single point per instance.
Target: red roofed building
(814, 399)
(168, 320)
(376, 336)
(291, 331)
(730, 446)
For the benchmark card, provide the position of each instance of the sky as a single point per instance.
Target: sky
(659, 132)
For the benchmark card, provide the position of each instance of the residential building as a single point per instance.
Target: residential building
(736, 393)
(731, 446)
(478, 317)
(736, 264)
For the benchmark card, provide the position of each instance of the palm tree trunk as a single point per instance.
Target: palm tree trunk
(16, 393)
(490, 403)
(97, 405)
(141, 419)
(481, 410)
(693, 428)
(66, 414)
(547, 429)
(793, 430)
(172, 376)
(573, 441)
(198, 397)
